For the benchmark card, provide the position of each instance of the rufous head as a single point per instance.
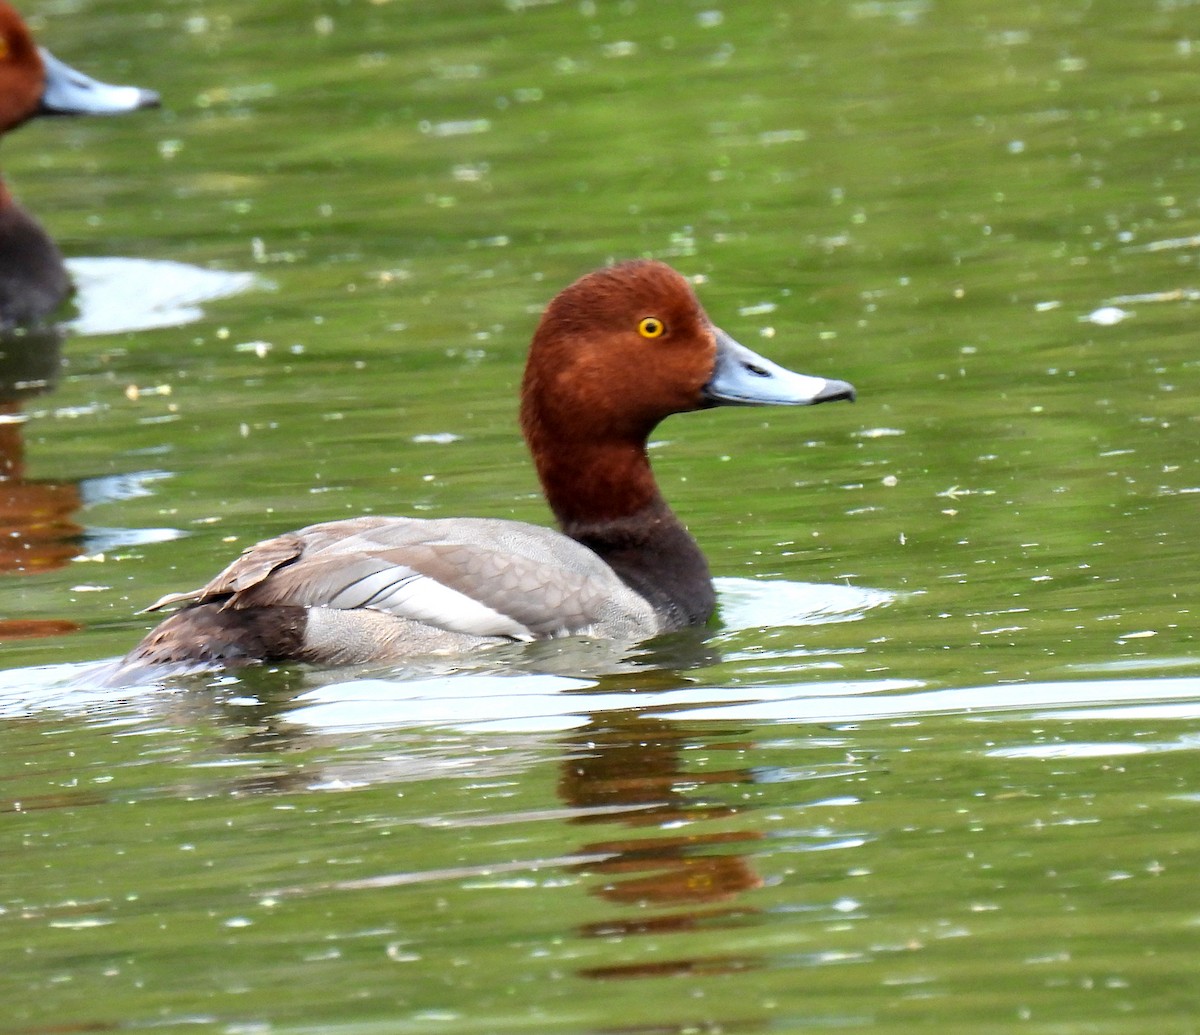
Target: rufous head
(619, 350)
(34, 82)
(22, 75)
(628, 345)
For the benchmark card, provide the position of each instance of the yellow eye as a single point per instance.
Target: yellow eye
(651, 327)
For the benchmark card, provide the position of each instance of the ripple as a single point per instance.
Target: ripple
(114, 295)
(759, 603)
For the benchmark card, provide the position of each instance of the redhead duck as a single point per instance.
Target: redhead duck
(33, 279)
(613, 354)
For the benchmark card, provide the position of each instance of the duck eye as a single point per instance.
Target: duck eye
(651, 327)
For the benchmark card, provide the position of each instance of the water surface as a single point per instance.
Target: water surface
(935, 765)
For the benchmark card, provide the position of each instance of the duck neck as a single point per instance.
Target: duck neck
(605, 497)
(33, 278)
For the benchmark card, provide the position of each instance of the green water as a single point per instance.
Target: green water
(937, 770)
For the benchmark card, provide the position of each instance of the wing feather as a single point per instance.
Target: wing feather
(476, 576)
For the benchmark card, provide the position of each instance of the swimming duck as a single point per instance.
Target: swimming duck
(613, 354)
(33, 279)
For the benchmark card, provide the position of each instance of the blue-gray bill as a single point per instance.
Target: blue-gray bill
(742, 377)
(70, 92)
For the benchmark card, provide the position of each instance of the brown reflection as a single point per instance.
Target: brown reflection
(63, 800)
(671, 858)
(671, 968)
(636, 760)
(38, 530)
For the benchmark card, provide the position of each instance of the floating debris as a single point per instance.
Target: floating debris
(1107, 316)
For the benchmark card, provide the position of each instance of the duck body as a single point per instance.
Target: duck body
(33, 83)
(613, 354)
(383, 588)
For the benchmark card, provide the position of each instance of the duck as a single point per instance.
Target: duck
(33, 278)
(612, 355)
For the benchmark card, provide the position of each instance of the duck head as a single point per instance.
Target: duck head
(34, 82)
(626, 346)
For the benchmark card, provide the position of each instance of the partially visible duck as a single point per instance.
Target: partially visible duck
(33, 279)
(613, 354)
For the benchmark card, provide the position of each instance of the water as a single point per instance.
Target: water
(935, 766)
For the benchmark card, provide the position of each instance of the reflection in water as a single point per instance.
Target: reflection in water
(36, 515)
(635, 761)
(769, 604)
(115, 295)
(668, 877)
(37, 527)
(39, 530)
(643, 815)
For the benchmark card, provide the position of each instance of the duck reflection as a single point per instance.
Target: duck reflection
(634, 761)
(38, 530)
(681, 865)
(40, 526)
